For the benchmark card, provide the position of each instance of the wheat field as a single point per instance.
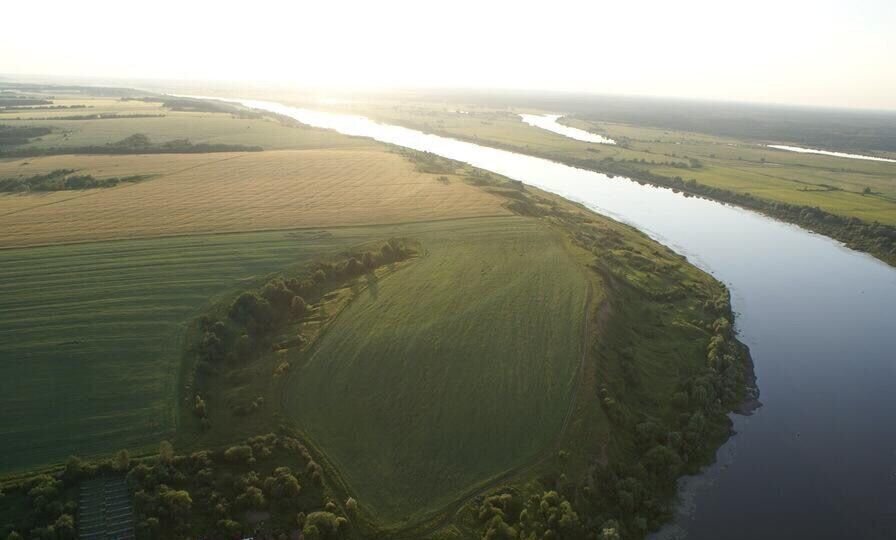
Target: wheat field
(233, 192)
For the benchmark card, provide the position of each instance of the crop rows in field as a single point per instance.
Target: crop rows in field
(242, 192)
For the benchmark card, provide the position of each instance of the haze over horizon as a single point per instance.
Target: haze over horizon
(823, 53)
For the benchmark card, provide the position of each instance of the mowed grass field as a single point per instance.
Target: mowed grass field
(833, 184)
(233, 192)
(91, 334)
(453, 370)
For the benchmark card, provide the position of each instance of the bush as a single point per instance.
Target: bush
(239, 453)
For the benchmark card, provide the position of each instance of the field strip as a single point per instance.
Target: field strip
(118, 187)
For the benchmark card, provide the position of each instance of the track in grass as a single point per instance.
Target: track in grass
(451, 371)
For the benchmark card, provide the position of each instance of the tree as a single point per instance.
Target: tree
(354, 267)
(199, 407)
(212, 347)
(239, 452)
(122, 460)
(166, 452)
(282, 484)
(279, 296)
(298, 306)
(321, 525)
(65, 527)
(73, 468)
(662, 462)
(177, 504)
(609, 530)
(251, 499)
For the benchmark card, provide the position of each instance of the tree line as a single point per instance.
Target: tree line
(63, 180)
(18, 135)
(135, 144)
(238, 333)
(209, 493)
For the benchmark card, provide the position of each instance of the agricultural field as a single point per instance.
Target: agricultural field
(162, 124)
(91, 334)
(453, 370)
(234, 192)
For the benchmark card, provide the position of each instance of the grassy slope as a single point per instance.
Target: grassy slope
(453, 370)
(90, 334)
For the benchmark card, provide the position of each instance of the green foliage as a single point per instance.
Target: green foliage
(547, 515)
(11, 135)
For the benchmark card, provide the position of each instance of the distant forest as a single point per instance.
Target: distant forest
(831, 129)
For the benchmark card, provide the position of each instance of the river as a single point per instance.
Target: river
(818, 460)
(550, 122)
(802, 150)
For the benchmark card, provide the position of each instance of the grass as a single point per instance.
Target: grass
(234, 192)
(91, 334)
(451, 371)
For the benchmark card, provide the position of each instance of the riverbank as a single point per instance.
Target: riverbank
(855, 206)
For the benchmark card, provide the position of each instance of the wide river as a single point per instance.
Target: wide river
(818, 460)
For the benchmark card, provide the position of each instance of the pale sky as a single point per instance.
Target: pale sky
(818, 52)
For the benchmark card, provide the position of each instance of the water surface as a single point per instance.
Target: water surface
(550, 123)
(819, 459)
(828, 153)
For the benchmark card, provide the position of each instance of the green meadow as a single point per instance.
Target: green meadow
(453, 370)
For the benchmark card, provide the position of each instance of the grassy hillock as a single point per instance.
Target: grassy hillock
(452, 371)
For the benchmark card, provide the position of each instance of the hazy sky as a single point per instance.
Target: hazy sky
(817, 52)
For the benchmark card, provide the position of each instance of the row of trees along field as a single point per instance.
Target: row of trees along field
(63, 180)
(243, 330)
(137, 143)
